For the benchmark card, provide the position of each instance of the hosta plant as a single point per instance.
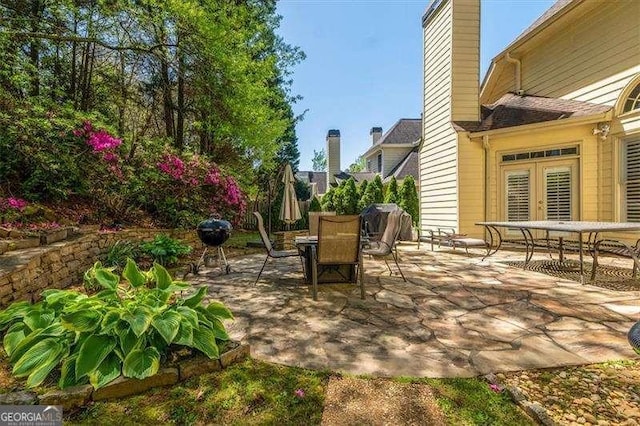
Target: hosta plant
(126, 328)
(165, 250)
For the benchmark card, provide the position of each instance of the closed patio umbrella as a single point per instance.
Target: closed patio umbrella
(290, 209)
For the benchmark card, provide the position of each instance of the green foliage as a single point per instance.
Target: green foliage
(41, 159)
(165, 250)
(303, 190)
(357, 166)
(319, 161)
(373, 193)
(315, 205)
(328, 202)
(348, 196)
(117, 255)
(362, 188)
(125, 328)
(409, 199)
(391, 195)
(208, 77)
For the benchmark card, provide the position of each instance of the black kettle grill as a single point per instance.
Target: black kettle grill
(213, 233)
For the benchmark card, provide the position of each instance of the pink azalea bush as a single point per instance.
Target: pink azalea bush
(199, 184)
(103, 144)
(12, 203)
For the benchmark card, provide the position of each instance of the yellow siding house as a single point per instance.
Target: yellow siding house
(553, 131)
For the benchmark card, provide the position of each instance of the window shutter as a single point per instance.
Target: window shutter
(632, 181)
(518, 196)
(558, 183)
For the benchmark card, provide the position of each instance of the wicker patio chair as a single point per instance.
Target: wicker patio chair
(338, 244)
(387, 244)
(271, 252)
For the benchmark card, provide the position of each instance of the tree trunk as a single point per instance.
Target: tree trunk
(37, 9)
(179, 141)
(123, 97)
(205, 140)
(74, 47)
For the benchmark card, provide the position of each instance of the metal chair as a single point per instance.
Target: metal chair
(387, 244)
(338, 244)
(271, 252)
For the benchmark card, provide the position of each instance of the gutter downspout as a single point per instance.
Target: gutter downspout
(487, 194)
(518, 76)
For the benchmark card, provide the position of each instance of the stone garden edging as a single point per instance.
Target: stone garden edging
(25, 274)
(77, 396)
(533, 409)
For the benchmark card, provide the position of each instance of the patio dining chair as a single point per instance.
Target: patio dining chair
(314, 221)
(271, 252)
(338, 244)
(386, 246)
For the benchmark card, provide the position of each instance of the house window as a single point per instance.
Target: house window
(380, 163)
(631, 180)
(540, 154)
(633, 100)
(369, 165)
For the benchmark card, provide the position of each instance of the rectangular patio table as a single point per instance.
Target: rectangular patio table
(574, 226)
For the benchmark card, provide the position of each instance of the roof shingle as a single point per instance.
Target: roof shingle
(513, 110)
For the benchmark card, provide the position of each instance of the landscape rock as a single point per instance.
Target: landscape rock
(122, 386)
(18, 398)
(72, 397)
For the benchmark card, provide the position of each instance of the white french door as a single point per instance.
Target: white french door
(540, 191)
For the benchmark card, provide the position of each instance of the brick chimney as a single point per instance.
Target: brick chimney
(333, 156)
(376, 134)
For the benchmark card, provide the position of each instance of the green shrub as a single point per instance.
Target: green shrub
(328, 202)
(165, 250)
(409, 199)
(349, 198)
(363, 188)
(124, 329)
(392, 192)
(315, 205)
(373, 193)
(118, 254)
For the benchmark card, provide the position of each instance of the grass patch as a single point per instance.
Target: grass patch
(239, 238)
(472, 402)
(251, 392)
(255, 392)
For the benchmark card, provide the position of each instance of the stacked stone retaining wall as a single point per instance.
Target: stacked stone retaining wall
(26, 273)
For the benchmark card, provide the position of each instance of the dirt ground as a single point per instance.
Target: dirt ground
(352, 401)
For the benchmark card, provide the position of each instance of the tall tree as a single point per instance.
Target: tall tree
(319, 161)
(409, 199)
(392, 192)
(357, 166)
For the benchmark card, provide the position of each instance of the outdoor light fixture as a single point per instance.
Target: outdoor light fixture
(602, 130)
(634, 337)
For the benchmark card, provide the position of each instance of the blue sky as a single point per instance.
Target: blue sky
(364, 63)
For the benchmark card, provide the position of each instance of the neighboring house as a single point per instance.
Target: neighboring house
(395, 152)
(317, 181)
(552, 133)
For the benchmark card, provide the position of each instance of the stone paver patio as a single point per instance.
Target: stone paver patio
(457, 316)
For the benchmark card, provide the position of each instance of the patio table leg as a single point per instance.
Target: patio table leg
(527, 239)
(490, 249)
(581, 258)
